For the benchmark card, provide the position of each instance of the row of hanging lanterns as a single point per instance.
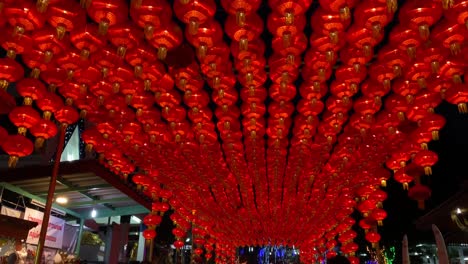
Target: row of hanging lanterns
(230, 141)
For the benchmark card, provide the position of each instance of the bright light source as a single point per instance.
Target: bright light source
(459, 211)
(466, 258)
(136, 219)
(427, 257)
(93, 213)
(419, 245)
(188, 239)
(61, 200)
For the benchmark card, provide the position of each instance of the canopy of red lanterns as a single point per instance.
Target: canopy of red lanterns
(247, 149)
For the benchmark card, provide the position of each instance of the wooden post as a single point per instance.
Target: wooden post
(50, 195)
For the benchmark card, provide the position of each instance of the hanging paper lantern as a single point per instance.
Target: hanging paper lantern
(17, 146)
(420, 193)
(67, 115)
(43, 130)
(10, 71)
(149, 234)
(194, 12)
(426, 159)
(178, 244)
(373, 237)
(24, 117)
(31, 89)
(107, 13)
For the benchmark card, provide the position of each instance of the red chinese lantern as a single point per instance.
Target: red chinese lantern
(194, 12)
(250, 30)
(107, 13)
(458, 95)
(23, 16)
(449, 35)
(91, 137)
(49, 103)
(31, 89)
(343, 7)
(198, 251)
(420, 193)
(10, 71)
(64, 16)
(17, 146)
(67, 115)
(373, 237)
(152, 220)
(240, 8)
(178, 244)
(86, 38)
(149, 234)
(15, 43)
(166, 38)
(426, 159)
(43, 130)
(420, 15)
(379, 215)
(24, 117)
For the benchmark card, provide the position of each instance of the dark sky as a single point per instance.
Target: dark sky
(447, 178)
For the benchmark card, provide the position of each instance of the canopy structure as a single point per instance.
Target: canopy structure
(257, 122)
(84, 184)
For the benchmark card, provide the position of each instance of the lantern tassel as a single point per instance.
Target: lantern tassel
(424, 31)
(39, 142)
(243, 44)
(138, 70)
(35, 73)
(345, 13)
(392, 6)
(376, 30)
(11, 54)
(193, 27)
(162, 53)
(435, 135)
(12, 161)
(201, 51)
(149, 31)
(421, 204)
(462, 108)
(455, 48)
(121, 50)
(383, 183)
(60, 31)
(334, 37)
(397, 70)
(84, 54)
(4, 84)
(289, 18)
(240, 18)
(435, 66)
(428, 170)
(42, 5)
(357, 67)
(103, 27)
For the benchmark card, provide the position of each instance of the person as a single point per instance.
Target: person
(338, 260)
(12, 258)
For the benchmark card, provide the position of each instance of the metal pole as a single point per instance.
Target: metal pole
(50, 194)
(80, 234)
